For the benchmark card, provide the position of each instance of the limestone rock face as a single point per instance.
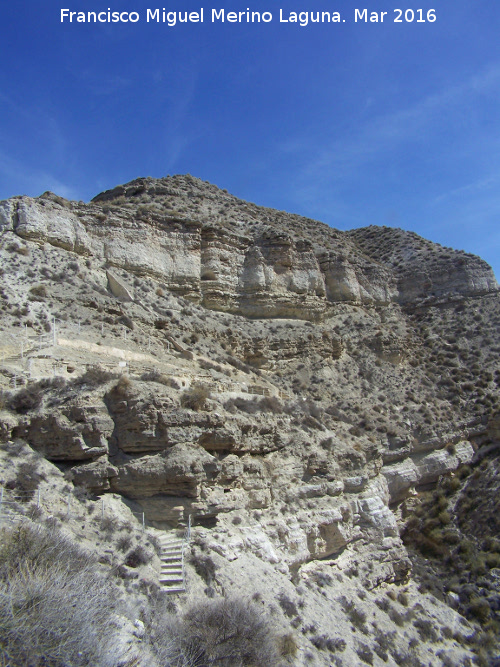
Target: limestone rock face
(75, 434)
(424, 269)
(257, 270)
(350, 278)
(296, 390)
(46, 221)
(178, 471)
(95, 475)
(419, 470)
(118, 288)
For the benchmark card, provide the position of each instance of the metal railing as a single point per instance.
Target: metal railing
(185, 542)
(10, 501)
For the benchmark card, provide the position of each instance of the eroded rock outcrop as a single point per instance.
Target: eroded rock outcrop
(257, 270)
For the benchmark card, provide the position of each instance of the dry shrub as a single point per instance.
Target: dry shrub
(204, 566)
(288, 606)
(332, 644)
(27, 399)
(196, 398)
(138, 556)
(126, 321)
(288, 646)
(28, 477)
(123, 386)
(95, 376)
(55, 608)
(36, 546)
(38, 292)
(156, 376)
(271, 404)
(253, 405)
(4, 399)
(248, 405)
(222, 633)
(30, 397)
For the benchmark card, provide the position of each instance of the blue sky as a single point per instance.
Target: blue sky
(351, 123)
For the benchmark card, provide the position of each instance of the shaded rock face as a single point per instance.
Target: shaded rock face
(77, 433)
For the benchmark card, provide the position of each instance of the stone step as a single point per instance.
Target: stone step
(177, 553)
(172, 547)
(174, 589)
(171, 580)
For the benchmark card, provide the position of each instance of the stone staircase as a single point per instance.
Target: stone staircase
(172, 575)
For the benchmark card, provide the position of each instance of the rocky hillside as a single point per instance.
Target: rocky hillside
(301, 392)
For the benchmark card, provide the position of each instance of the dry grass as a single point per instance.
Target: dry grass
(55, 607)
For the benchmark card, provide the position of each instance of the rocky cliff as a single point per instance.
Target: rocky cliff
(258, 265)
(297, 390)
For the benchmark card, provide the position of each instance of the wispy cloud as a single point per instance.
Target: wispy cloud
(178, 132)
(36, 180)
(477, 187)
(30, 165)
(101, 85)
(389, 131)
(427, 139)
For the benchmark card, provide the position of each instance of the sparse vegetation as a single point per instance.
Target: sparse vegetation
(196, 398)
(95, 376)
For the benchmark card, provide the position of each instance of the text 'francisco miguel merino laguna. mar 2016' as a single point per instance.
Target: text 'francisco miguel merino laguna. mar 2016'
(301, 18)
